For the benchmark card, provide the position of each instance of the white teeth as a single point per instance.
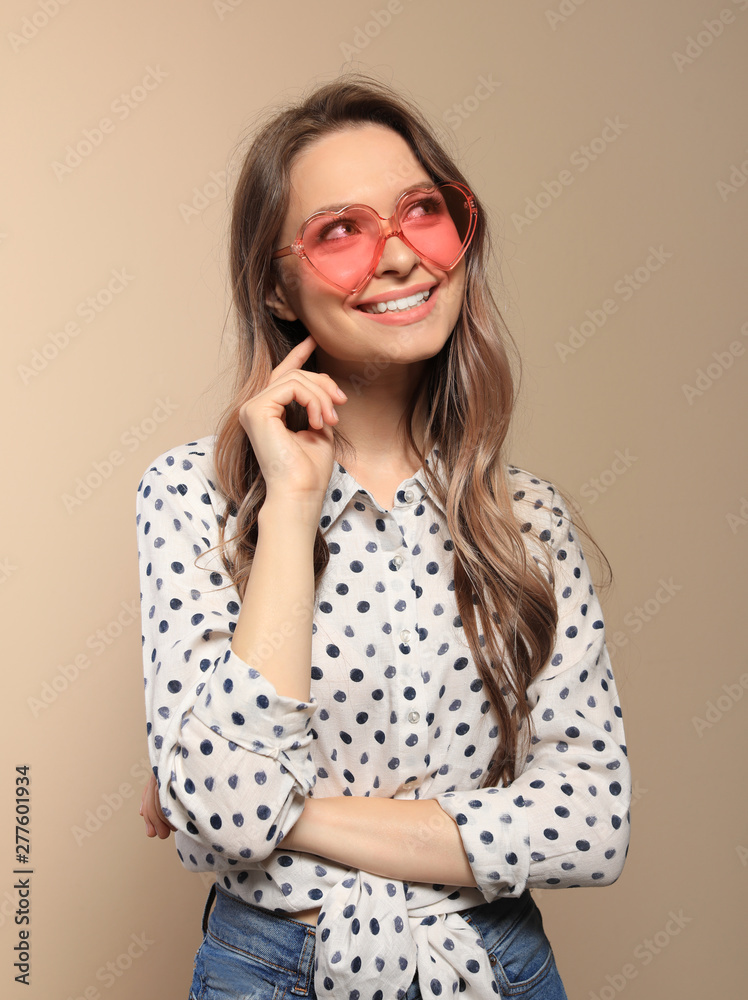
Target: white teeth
(398, 305)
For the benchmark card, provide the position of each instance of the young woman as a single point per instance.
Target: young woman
(380, 707)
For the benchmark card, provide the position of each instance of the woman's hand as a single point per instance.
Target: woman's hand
(295, 465)
(156, 824)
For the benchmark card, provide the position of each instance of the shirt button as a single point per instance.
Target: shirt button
(398, 561)
(414, 717)
(409, 494)
(405, 635)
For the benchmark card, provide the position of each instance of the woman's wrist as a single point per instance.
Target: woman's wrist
(282, 511)
(301, 835)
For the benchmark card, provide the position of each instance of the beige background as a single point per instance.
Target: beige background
(519, 89)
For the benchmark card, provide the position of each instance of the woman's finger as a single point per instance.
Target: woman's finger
(146, 809)
(156, 824)
(326, 390)
(294, 387)
(161, 823)
(295, 358)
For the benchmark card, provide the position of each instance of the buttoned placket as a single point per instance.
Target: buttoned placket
(396, 545)
(412, 713)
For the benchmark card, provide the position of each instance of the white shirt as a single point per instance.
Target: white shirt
(396, 709)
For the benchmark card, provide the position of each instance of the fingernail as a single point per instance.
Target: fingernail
(334, 412)
(341, 393)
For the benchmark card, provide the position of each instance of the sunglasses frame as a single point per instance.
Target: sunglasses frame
(387, 228)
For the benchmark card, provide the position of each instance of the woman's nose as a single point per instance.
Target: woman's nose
(396, 256)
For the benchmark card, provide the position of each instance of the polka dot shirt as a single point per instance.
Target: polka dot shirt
(396, 709)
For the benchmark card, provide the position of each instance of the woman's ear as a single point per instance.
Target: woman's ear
(277, 303)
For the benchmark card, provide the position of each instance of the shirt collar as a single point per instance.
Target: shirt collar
(343, 488)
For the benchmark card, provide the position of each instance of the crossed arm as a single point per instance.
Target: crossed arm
(409, 840)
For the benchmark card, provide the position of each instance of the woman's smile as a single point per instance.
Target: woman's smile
(401, 307)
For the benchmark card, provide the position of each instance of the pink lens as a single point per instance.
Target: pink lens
(437, 224)
(342, 247)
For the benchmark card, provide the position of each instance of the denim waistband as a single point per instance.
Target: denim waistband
(239, 919)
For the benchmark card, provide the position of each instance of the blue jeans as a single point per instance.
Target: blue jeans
(251, 954)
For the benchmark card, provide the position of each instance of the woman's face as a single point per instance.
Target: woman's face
(370, 165)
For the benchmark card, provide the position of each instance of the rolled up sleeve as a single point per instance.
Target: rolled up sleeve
(232, 757)
(564, 821)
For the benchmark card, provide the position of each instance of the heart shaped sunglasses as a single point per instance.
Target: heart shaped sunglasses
(344, 247)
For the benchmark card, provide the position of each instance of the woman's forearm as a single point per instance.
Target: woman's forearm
(405, 839)
(274, 631)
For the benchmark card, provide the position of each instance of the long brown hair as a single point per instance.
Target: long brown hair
(505, 601)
